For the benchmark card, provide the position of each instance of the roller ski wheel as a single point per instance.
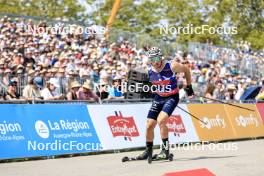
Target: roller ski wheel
(126, 158)
(170, 157)
(143, 156)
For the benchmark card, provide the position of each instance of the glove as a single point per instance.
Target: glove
(189, 90)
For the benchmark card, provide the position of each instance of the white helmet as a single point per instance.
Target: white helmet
(154, 52)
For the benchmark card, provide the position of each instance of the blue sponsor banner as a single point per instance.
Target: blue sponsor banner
(46, 130)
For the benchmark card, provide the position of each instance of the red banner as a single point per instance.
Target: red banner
(175, 125)
(260, 107)
(122, 126)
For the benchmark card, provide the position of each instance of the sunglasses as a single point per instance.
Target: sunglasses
(155, 59)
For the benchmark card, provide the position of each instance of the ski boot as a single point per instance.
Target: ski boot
(163, 155)
(149, 153)
(144, 156)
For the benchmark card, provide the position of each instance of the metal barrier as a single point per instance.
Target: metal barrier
(114, 101)
(245, 63)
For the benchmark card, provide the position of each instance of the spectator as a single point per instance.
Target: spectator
(115, 91)
(219, 91)
(230, 94)
(50, 93)
(182, 93)
(72, 94)
(11, 93)
(86, 93)
(240, 91)
(209, 92)
(31, 91)
(102, 90)
(25, 54)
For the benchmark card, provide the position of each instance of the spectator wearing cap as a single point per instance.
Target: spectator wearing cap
(231, 91)
(72, 94)
(20, 69)
(31, 90)
(11, 93)
(86, 92)
(49, 92)
(115, 91)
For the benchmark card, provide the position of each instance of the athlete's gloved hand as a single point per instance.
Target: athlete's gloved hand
(189, 90)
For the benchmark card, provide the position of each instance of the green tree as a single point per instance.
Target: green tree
(246, 15)
(146, 15)
(67, 9)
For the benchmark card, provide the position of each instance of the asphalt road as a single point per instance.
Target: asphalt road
(242, 158)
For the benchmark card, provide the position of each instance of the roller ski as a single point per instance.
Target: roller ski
(146, 155)
(163, 155)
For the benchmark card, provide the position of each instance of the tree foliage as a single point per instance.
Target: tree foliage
(63, 9)
(145, 17)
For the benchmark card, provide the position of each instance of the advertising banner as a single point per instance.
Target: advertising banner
(260, 107)
(180, 126)
(120, 126)
(217, 126)
(246, 123)
(124, 126)
(45, 130)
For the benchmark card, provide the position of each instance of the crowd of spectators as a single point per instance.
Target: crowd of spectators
(73, 66)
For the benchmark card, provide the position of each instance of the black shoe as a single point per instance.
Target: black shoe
(149, 151)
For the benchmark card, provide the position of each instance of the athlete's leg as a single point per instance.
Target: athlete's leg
(167, 110)
(151, 124)
(161, 120)
(163, 116)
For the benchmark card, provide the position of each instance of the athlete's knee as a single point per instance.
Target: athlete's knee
(162, 119)
(151, 125)
(162, 123)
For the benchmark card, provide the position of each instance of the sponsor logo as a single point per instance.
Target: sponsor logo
(42, 129)
(71, 128)
(247, 121)
(175, 125)
(213, 122)
(122, 126)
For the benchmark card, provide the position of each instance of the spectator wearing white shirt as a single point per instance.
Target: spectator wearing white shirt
(50, 93)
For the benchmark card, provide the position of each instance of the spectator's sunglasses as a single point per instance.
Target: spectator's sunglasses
(155, 59)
